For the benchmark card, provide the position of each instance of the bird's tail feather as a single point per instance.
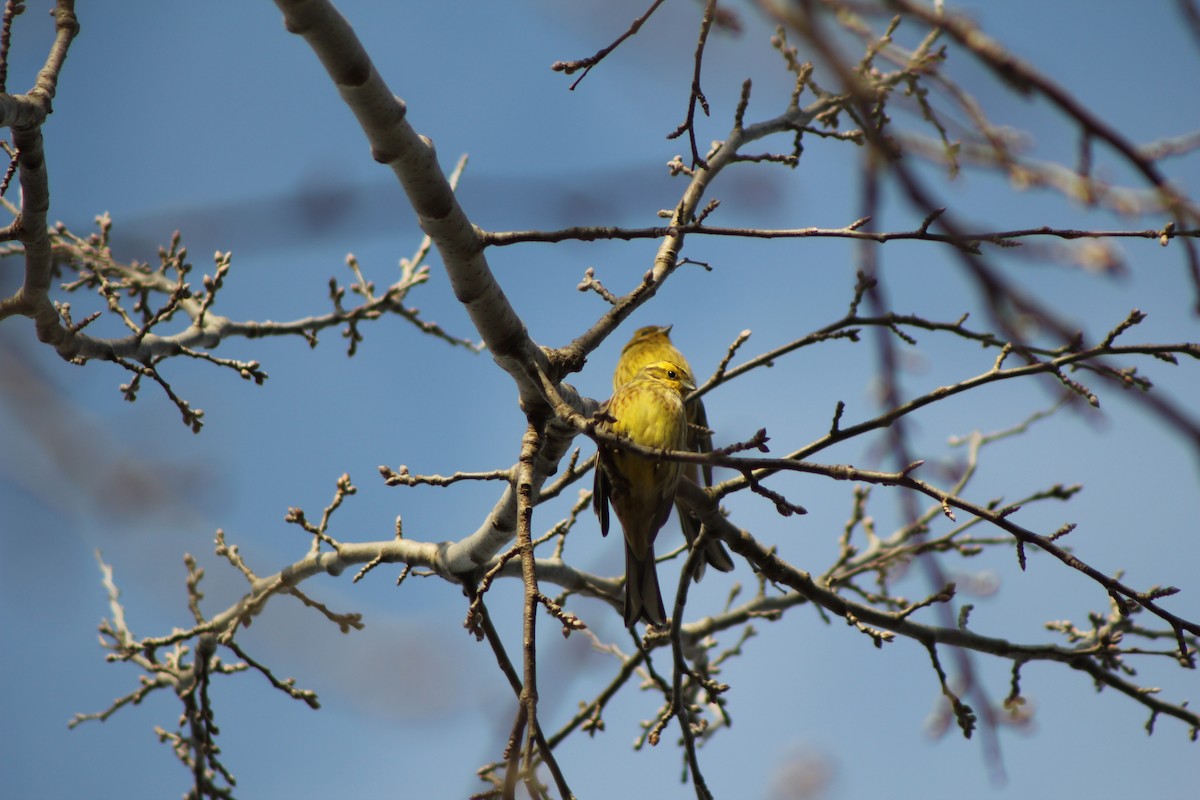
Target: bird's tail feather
(714, 552)
(643, 600)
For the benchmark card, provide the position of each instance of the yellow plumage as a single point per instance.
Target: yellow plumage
(648, 345)
(647, 410)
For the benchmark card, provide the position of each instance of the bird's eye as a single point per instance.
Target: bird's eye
(672, 374)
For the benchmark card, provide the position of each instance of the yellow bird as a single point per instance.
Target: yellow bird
(647, 410)
(653, 343)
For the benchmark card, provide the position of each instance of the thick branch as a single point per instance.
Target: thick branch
(394, 142)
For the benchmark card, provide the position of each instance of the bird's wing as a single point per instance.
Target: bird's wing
(601, 489)
(701, 441)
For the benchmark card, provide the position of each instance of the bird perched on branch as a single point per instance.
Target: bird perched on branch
(648, 410)
(653, 343)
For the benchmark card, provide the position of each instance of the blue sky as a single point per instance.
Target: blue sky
(210, 118)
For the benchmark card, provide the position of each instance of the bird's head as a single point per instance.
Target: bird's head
(651, 333)
(669, 374)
